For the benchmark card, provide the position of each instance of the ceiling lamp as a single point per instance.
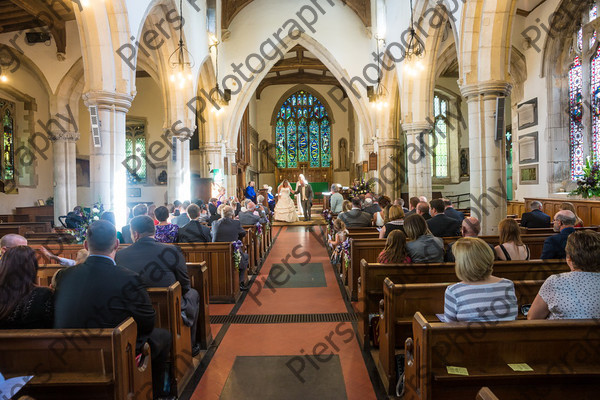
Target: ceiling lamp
(220, 99)
(379, 97)
(181, 60)
(415, 47)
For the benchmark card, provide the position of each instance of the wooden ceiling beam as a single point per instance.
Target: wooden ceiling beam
(298, 78)
(42, 12)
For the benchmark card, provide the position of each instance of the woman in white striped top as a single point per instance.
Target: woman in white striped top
(479, 296)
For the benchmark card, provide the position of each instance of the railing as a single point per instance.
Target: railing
(457, 200)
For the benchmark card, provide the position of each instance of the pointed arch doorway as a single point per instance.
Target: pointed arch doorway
(302, 131)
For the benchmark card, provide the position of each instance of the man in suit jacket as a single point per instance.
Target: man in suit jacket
(160, 265)
(370, 205)
(139, 209)
(182, 219)
(536, 218)
(451, 212)
(356, 217)
(100, 294)
(228, 229)
(413, 202)
(212, 210)
(194, 231)
(306, 197)
(423, 210)
(251, 215)
(440, 224)
(554, 246)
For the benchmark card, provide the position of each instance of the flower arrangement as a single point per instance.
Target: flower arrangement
(346, 250)
(328, 216)
(363, 187)
(88, 218)
(589, 185)
(237, 254)
(259, 231)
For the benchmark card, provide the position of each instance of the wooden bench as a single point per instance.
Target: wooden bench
(167, 305)
(563, 354)
(251, 247)
(371, 290)
(486, 394)
(401, 302)
(198, 273)
(77, 363)
(8, 218)
(22, 228)
(550, 231)
(49, 238)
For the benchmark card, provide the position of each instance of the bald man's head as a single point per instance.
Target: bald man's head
(471, 227)
(564, 219)
(11, 240)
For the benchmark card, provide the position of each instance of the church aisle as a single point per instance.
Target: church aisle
(291, 337)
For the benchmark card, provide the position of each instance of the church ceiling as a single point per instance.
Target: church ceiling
(20, 15)
(230, 8)
(299, 66)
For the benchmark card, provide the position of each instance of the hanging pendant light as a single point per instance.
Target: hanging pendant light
(181, 60)
(379, 97)
(415, 49)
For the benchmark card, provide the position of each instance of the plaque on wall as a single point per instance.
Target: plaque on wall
(528, 175)
(373, 162)
(134, 192)
(226, 166)
(464, 163)
(365, 167)
(528, 148)
(528, 114)
(83, 172)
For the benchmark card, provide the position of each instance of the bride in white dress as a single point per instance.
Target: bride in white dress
(285, 210)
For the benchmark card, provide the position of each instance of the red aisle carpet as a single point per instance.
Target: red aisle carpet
(273, 356)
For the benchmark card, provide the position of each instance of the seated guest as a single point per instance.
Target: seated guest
(371, 206)
(413, 202)
(212, 210)
(75, 218)
(139, 209)
(451, 212)
(423, 210)
(151, 210)
(194, 231)
(346, 205)
(222, 197)
(251, 215)
(400, 202)
(479, 296)
(250, 192)
(395, 249)
(573, 295)
(422, 247)
(228, 229)
(440, 224)
(379, 216)
(182, 218)
(336, 200)
(165, 232)
(23, 304)
(11, 240)
(356, 217)
(101, 294)
(554, 246)
(203, 215)
(341, 234)
(511, 247)
(565, 205)
(536, 218)
(270, 198)
(110, 217)
(396, 216)
(161, 265)
(470, 227)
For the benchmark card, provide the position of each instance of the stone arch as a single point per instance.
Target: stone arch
(295, 89)
(243, 98)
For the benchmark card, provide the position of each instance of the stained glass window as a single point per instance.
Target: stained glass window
(303, 132)
(135, 151)
(439, 140)
(7, 112)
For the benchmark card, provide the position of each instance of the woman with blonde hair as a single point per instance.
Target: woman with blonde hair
(511, 246)
(341, 234)
(422, 247)
(396, 222)
(479, 296)
(565, 205)
(395, 249)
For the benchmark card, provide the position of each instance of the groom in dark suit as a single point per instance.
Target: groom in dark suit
(306, 197)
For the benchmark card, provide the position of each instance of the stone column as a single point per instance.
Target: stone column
(231, 177)
(418, 158)
(487, 160)
(108, 179)
(178, 167)
(390, 171)
(65, 174)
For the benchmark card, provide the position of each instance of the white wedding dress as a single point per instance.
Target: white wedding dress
(285, 209)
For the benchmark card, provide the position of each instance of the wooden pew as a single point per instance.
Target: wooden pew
(77, 363)
(368, 229)
(550, 231)
(35, 211)
(251, 247)
(373, 275)
(402, 301)
(50, 238)
(486, 394)
(8, 218)
(198, 273)
(22, 228)
(45, 274)
(562, 353)
(167, 305)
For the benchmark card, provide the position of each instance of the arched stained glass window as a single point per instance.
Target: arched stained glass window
(7, 112)
(135, 151)
(439, 161)
(303, 132)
